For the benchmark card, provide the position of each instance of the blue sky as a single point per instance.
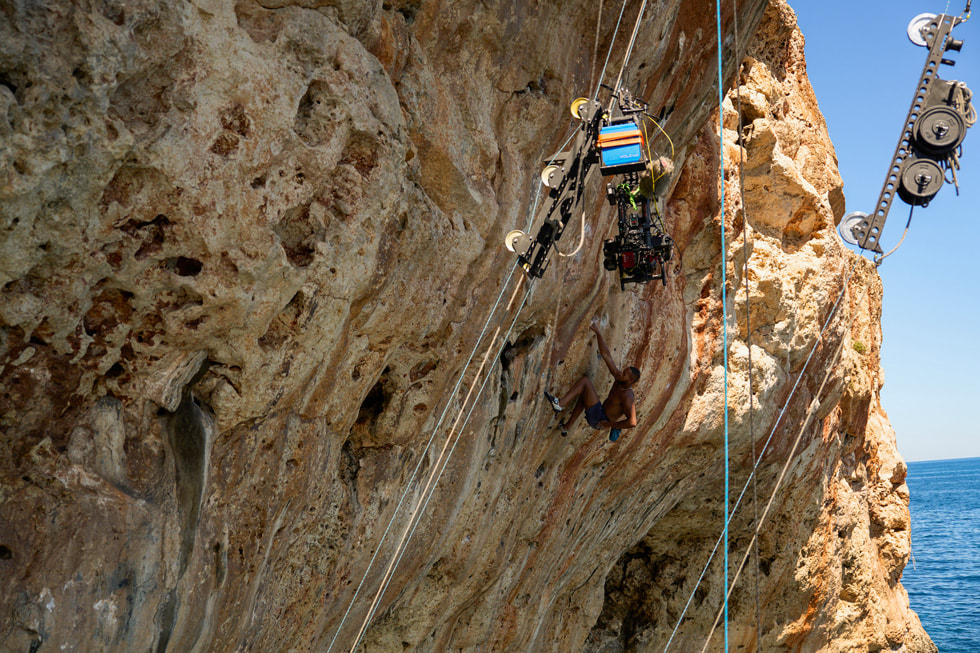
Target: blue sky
(864, 71)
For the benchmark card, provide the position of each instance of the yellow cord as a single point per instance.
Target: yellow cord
(647, 141)
(664, 133)
(649, 157)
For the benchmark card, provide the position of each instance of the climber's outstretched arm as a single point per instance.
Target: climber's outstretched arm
(605, 353)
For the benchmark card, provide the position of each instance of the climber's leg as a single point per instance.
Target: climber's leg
(583, 394)
(584, 389)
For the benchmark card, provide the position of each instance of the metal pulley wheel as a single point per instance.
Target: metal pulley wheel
(939, 130)
(550, 176)
(576, 105)
(517, 241)
(848, 223)
(920, 180)
(916, 26)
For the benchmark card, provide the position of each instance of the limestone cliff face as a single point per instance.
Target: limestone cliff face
(247, 250)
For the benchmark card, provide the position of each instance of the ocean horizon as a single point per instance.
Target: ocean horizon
(943, 575)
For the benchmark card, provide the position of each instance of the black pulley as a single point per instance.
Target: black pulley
(939, 130)
(921, 179)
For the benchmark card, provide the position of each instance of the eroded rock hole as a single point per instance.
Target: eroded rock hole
(5, 552)
(225, 144)
(110, 308)
(183, 266)
(524, 343)
(361, 152)
(284, 325)
(421, 370)
(375, 402)
(319, 112)
(299, 231)
(261, 24)
(6, 81)
(141, 100)
(409, 11)
(114, 11)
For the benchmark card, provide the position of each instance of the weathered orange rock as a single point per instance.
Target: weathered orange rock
(250, 254)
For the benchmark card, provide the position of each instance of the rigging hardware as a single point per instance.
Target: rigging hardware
(615, 141)
(641, 250)
(934, 130)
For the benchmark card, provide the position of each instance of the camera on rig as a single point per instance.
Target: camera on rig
(640, 250)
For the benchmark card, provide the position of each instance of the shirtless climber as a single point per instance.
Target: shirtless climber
(617, 412)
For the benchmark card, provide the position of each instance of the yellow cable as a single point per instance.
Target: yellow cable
(648, 143)
(664, 133)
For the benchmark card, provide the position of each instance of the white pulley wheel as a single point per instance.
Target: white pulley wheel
(851, 220)
(549, 175)
(915, 29)
(514, 239)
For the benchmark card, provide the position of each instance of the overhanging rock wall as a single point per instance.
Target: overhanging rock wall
(246, 251)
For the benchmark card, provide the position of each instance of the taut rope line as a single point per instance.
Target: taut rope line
(746, 242)
(724, 291)
(811, 411)
(765, 446)
(429, 483)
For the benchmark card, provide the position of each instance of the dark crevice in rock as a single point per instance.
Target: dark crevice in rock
(375, 402)
(6, 81)
(184, 266)
(168, 614)
(220, 563)
(524, 343)
(189, 431)
(408, 10)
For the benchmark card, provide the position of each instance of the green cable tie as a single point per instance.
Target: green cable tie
(630, 194)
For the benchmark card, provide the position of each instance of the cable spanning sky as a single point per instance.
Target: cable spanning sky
(864, 71)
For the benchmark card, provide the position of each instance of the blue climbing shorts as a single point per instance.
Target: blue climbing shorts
(595, 414)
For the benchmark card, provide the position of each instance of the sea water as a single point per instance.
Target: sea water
(943, 582)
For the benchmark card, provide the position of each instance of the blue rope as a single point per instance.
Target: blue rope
(724, 286)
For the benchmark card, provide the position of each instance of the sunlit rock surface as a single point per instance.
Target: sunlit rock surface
(247, 252)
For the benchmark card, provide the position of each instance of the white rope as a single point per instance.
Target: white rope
(418, 465)
(758, 461)
(629, 50)
(595, 94)
(814, 405)
(429, 483)
(461, 429)
(581, 241)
